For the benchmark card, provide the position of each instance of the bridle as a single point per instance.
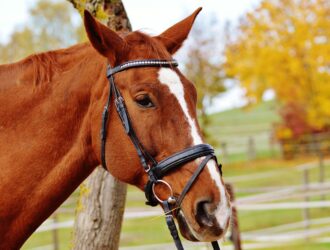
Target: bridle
(155, 170)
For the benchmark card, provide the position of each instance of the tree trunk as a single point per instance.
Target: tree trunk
(102, 198)
(99, 212)
(110, 12)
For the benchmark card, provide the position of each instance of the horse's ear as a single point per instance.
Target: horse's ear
(104, 40)
(174, 36)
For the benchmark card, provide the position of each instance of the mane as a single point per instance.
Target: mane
(46, 64)
(40, 68)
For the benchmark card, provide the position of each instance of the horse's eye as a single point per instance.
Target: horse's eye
(144, 101)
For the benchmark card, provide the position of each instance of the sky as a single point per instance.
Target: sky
(153, 17)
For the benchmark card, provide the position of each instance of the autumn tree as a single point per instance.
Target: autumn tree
(110, 12)
(284, 45)
(102, 199)
(204, 67)
(50, 26)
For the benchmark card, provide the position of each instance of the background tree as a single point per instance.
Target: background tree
(50, 26)
(102, 199)
(284, 45)
(110, 12)
(204, 66)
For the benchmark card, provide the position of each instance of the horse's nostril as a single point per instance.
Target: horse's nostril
(204, 214)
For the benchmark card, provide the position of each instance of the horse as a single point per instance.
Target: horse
(51, 105)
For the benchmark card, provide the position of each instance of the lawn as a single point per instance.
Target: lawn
(236, 128)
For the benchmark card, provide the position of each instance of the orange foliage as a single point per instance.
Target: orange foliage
(284, 45)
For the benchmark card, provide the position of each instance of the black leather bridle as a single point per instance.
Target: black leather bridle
(155, 170)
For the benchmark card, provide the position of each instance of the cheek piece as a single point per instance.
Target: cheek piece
(155, 170)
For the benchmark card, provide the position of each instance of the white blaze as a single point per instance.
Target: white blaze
(171, 79)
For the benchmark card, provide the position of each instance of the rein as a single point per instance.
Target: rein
(155, 170)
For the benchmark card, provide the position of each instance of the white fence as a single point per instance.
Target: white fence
(266, 200)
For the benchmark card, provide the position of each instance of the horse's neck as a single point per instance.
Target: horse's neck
(44, 141)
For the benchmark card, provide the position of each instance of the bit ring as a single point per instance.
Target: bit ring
(167, 185)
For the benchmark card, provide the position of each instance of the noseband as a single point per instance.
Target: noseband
(155, 170)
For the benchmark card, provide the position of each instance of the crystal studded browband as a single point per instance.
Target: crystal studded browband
(141, 63)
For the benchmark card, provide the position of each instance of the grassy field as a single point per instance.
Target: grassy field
(236, 127)
(230, 126)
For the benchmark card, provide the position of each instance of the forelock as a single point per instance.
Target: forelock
(143, 45)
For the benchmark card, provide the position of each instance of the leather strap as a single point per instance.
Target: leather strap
(171, 225)
(175, 161)
(105, 116)
(215, 245)
(145, 158)
(192, 180)
(181, 158)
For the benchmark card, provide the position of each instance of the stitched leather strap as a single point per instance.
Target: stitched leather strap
(171, 225)
(192, 180)
(181, 158)
(175, 161)
(105, 116)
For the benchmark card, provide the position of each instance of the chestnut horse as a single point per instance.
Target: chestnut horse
(50, 118)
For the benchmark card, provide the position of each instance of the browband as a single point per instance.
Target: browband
(141, 63)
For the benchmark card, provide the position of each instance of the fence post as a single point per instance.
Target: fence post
(235, 233)
(55, 233)
(271, 145)
(224, 152)
(306, 199)
(251, 149)
(321, 171)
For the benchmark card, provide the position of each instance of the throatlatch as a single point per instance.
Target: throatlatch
(155, 170)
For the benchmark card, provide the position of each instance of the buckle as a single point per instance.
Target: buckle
(147, 169)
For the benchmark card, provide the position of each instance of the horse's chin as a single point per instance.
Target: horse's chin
(204, 235)
(185, 230)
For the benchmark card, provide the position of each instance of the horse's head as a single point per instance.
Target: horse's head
(161, 104)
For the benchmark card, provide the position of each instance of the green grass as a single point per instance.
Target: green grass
(301, 246)
(144, 231)
(262, 114)
(256, 220)
(235, 128)
(46, 238)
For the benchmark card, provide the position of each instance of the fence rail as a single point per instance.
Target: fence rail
(261, 198)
